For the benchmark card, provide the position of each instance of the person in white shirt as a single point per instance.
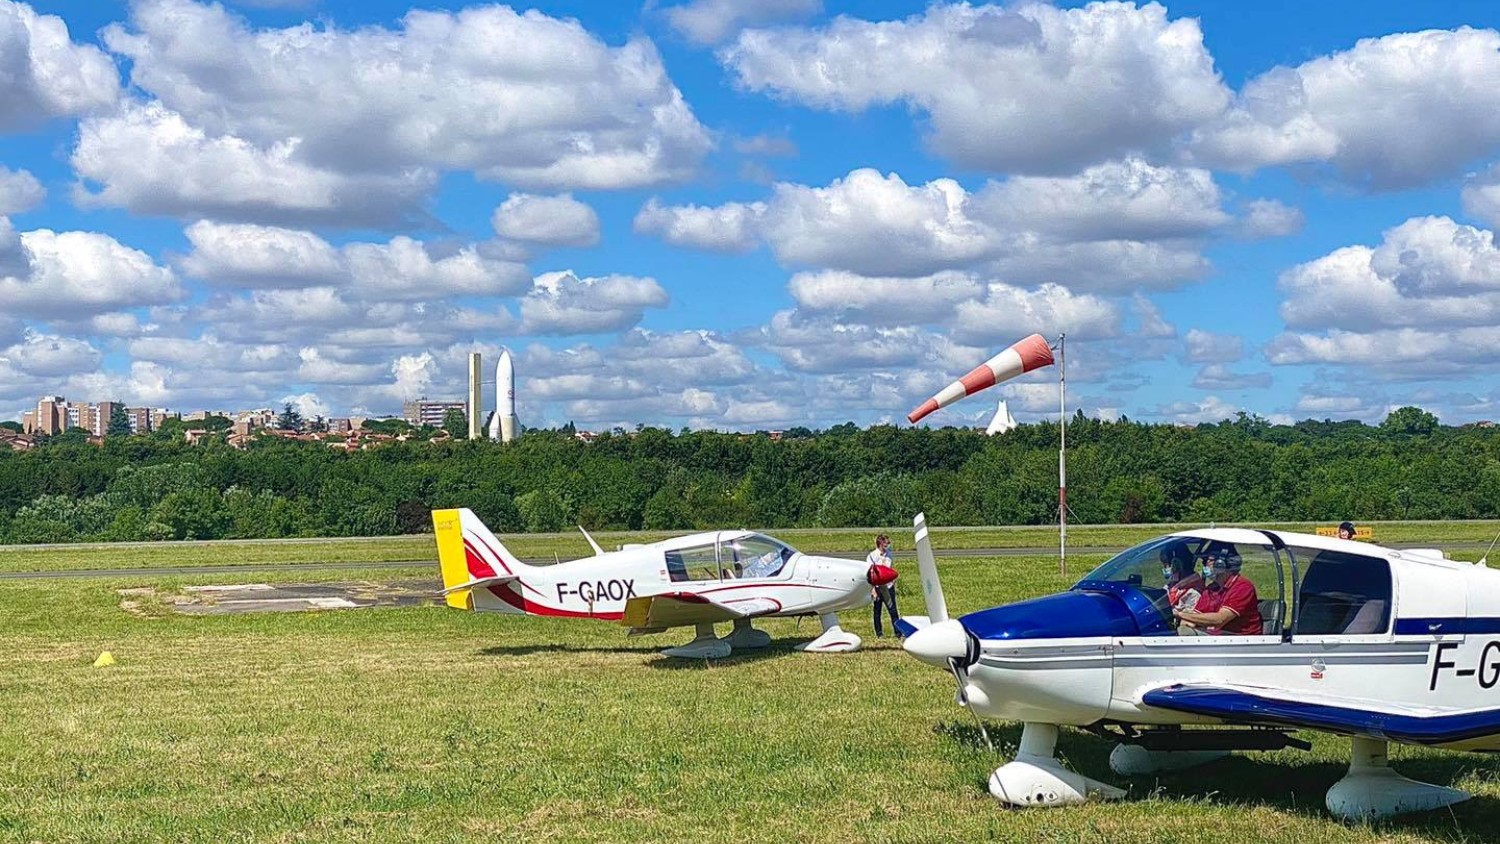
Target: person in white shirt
(884, 594)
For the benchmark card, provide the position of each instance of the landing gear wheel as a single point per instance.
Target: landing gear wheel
(745, 637)
(1372, 790)
(704, 646)
(1036, 778)
(835, 640)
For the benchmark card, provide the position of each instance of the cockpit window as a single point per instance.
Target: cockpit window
(1143, 565)
(729, 559)
(697, 563)
(1169, 572)
(755, 556)
(1343, 594)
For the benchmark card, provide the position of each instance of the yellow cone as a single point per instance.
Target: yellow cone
(104, 659)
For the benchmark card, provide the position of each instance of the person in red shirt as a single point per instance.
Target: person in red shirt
(1229, 605)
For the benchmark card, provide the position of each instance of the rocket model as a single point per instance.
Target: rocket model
(1021, 357)
(503, 425)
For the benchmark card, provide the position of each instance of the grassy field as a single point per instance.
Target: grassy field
(568, 545)
(432, 725)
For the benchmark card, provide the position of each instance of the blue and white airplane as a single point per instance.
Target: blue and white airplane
(1377, 644)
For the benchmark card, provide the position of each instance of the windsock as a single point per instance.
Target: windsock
(1024, 356)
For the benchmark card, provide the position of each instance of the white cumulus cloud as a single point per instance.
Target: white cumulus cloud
(563, 303)
(1391, 112)
(711, 21)
(1031, 88)
(44, 74)
(19, 191)
(352, 127)
(548, 220)
(71, 274)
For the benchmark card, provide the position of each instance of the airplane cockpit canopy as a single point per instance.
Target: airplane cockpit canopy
(731, 556)
(1304, 589)
(1149, 569)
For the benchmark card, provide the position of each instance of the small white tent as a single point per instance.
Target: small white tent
(1002, 422)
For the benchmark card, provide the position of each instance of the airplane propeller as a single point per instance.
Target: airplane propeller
(932, 589)
(943, 641)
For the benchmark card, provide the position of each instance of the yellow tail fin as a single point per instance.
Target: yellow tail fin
(448, 526)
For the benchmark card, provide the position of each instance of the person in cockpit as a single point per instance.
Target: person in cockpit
(1184, 583)
(1229, 606)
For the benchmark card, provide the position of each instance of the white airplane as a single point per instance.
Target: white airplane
(688, 581)
(1376, 644)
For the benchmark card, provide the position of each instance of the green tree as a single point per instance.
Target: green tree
(456, 423)
(667, 509)
(119, 422)
(289, 419)
(542, 511)
(1409, 421)
(196, 513)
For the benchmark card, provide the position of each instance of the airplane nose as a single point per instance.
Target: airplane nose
(941, 642)
(879, 575)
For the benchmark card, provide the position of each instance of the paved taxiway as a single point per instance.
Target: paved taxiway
(170, 571)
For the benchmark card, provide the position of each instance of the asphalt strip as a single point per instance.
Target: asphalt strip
(171, 571)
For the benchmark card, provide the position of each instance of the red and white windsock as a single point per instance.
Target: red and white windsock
(1022, 357)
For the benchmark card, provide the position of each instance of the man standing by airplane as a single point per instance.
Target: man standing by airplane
(884, 593)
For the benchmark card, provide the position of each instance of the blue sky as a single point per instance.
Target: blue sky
(741, 215)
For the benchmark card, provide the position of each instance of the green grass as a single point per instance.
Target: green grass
(569, 545)
(433, 725)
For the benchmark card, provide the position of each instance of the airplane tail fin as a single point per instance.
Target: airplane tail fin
(469, 555)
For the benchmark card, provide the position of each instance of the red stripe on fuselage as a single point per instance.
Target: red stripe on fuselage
(770, 586)
(492, 553)
(478, 568)
(511, 597)
(473, 556)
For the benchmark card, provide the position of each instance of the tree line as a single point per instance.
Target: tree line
(159, 487)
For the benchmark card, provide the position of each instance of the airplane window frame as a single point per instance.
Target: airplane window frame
(707, 563)
(1384, 590)
(732, 558)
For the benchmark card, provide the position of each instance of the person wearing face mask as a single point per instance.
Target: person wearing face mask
(1184, 584)
(1229, 606)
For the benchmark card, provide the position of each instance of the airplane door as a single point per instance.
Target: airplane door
(1182, 655)
(1356, 618)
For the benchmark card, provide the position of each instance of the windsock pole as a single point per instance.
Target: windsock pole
(1062, 454)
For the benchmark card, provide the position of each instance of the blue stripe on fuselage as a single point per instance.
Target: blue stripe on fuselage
(1446, 626)
(1240, 707)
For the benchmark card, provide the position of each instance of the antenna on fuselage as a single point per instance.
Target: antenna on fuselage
(1484, 561)
(592, 544)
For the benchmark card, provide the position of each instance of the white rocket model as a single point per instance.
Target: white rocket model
(1002, 422)
(503, 425)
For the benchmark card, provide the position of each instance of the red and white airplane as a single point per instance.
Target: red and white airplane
(688, 581)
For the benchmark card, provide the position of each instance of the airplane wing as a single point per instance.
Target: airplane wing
(683, 609)
(1327, 713)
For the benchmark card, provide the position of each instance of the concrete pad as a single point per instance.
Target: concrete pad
(241, 598)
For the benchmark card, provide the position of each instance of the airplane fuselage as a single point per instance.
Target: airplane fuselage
(599, 587)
